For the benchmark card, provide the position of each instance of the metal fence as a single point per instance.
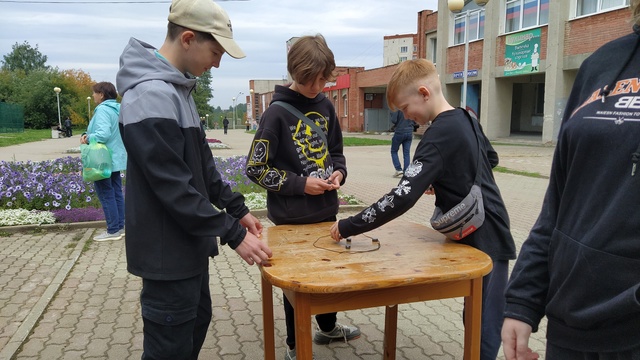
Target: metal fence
(11, 118)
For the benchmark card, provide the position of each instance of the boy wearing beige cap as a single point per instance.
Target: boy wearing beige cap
(172, 181)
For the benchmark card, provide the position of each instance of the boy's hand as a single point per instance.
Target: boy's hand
(515, 340)
(252, 224)
(253, 250)
(335, 179)
(315, 186)
(335, 231)
(430, 190)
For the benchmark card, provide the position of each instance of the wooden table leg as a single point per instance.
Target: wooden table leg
(268, 321)
(473, 321)
(390, 331)
(302, 310)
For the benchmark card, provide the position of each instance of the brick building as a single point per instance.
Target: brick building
(523, 57)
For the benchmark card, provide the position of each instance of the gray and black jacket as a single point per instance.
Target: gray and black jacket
(172, 180)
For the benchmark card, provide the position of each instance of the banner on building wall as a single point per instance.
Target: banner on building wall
(522, 53)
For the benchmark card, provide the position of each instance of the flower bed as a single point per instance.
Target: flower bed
(53, 191)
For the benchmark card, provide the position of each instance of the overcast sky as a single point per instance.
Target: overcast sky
(91, 36)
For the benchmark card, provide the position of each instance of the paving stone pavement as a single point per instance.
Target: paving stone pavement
(63, 296)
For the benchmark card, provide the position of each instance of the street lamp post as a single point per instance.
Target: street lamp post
(233, 126)
(250, 109)
(455, 6)
(89, 107)
(234, 108)
(57, 90)
(208, 125)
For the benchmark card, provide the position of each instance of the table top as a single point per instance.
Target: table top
(306, 259)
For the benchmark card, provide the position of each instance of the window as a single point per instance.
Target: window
(404, 49)
(345, 110)
(433, 48)
(586, 7)
(403, 58)
(476, 26)
(522, 14)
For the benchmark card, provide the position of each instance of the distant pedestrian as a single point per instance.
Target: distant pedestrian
(67, 127)
(225, 124)
(402, 136)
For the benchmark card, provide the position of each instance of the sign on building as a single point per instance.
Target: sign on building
(522, 53)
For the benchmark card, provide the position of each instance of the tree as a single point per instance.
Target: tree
(203, 94)
(26, 80)
(24, 57)
(77, 86)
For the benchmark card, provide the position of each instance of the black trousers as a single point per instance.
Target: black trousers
(559, 353)
(176, 315)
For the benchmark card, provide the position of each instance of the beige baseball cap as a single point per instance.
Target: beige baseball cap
(208, 17)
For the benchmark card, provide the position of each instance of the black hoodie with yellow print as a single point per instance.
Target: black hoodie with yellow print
(285, 151)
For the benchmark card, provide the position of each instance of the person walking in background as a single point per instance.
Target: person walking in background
(103, 128)
(580, 265)
(402, 135)
(225, 124)
(450, 154)
(67, 127)
(299, 169)
(178, 206)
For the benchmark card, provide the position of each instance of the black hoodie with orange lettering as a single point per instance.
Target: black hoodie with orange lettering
(580, 265)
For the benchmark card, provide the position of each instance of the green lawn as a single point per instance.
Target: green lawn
(358, 141)
(29, 135)
(505, 170)
(8, 139)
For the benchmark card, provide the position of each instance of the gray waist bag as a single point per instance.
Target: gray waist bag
(468, 215)
(462, 219)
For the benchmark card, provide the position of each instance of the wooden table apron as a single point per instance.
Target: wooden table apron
(414, 263)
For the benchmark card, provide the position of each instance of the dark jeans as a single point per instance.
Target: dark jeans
(110, 195)
(558, 353)
(493, 303)
(405, 141)
(176, 315)
(225, 129)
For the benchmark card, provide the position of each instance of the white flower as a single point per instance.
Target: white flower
(25, 217)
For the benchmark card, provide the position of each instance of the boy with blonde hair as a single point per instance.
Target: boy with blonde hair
(301, 165)
(446, 160)
(172, 180)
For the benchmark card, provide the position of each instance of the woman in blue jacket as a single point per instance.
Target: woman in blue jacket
(103, 128)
